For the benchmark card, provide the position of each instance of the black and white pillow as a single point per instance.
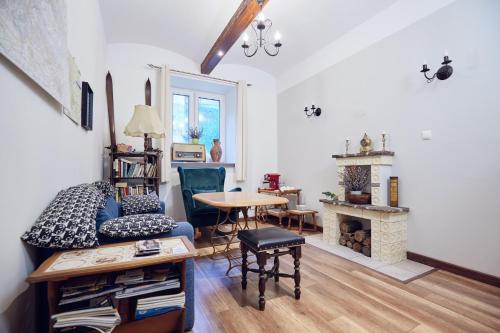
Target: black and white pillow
(69, 220)
(105, 187)
(141, 204)
(137, 225)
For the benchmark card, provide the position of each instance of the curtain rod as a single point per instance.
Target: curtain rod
(198, 75)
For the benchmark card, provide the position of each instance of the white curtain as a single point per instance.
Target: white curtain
(241, 133)
(166, 117)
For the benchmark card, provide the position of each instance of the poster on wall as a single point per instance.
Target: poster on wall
(33, 36)
(74, 112)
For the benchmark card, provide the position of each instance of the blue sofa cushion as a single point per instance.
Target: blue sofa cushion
(110, 211)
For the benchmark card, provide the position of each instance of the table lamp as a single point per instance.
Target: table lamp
(145, 123)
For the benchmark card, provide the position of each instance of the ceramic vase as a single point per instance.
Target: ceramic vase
(216, 151)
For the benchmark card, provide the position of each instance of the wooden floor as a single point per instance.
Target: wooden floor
(341, 296)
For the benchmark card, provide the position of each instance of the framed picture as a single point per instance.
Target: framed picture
(87, 106)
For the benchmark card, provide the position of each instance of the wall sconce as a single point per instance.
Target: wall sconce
(443, 73)
(314, 111)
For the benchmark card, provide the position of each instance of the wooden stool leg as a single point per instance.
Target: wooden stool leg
(301, 223)
(314, 222)
(289, 221)
(261, 261)
(276, 267)
(296, 263)
(244, 265)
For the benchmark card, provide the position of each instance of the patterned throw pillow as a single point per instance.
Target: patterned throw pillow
(140, 204)
(105, 187)
(137, 225)
(69, 220)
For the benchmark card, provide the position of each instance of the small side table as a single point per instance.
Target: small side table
(279, 213)
(301, 216)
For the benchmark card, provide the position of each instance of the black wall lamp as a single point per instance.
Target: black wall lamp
(314, 111)
(443, 73)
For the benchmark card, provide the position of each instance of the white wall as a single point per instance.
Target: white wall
(450, 183)
(43, 151)
(128, 66)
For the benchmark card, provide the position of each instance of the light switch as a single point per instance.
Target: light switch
(427, 135)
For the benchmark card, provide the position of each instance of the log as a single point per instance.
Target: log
(367, 251)
(368, 242)
(350, 226)
(361, 235)
(343, 240)
(357, 246)
(349, 244)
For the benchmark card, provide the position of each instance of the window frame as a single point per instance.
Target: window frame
(193, 119)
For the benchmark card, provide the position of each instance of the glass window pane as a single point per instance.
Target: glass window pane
(209, 120)
(180, 118)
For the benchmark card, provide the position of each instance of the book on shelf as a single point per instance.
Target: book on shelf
(153, 306)
(124, 168)
(149, 288)
(103, 318)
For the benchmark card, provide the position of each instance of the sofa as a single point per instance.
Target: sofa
(113, 209)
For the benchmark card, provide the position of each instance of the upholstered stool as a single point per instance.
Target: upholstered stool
(266, 243)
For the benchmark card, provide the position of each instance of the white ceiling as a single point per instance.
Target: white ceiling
(190, 27)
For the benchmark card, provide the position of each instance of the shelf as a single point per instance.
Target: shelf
(200, 165)
(136, 177)
(384, 209)
(136, 154)
(372, 153)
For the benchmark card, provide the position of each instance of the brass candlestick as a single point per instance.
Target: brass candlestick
(347, 146)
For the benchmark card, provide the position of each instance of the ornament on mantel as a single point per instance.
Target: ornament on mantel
(366, 144)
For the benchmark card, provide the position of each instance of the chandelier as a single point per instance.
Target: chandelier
(261, 27)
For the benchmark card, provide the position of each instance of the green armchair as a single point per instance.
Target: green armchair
(194, 181)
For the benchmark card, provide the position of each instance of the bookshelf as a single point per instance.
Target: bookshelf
(135, 172)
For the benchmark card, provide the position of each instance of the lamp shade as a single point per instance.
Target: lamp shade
(145, 121)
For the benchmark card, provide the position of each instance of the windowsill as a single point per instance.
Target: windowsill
(201, 164)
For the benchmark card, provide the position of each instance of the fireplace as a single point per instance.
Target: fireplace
(387, 225)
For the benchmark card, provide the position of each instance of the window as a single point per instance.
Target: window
(197, 109)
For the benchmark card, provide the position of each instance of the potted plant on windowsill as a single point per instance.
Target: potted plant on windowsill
(195, 134)
(356, 179)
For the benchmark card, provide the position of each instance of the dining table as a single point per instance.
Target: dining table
(225, 202)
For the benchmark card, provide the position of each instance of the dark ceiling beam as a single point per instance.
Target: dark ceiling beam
(244, 15)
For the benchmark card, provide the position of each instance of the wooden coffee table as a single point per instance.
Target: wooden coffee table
(227, 201)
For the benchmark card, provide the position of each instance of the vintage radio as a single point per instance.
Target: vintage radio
(184, 152)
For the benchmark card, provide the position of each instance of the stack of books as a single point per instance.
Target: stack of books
(87, 291)
(147, 247)
(104, 319)
(172, 283)
(153, 306)
(123, 189)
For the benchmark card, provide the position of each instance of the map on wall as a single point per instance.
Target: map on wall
(33, 37)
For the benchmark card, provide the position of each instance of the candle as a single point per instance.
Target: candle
(383, 133)
(445, 53)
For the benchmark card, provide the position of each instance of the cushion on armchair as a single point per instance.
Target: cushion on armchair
(140, 204)
(137, 225)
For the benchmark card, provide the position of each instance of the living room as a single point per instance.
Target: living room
(288, 166)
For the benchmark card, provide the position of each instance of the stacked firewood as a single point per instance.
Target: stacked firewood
(355, 237)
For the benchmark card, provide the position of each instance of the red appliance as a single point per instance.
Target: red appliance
(273, 179)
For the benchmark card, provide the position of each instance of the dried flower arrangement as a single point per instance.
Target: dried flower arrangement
(195, 133)
(355, 178)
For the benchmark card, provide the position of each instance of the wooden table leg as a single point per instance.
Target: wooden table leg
(314, 222)
(244, 265)
(296, 253)
(301, 223)
(261, 261)
(244, 210)
(276, 267)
